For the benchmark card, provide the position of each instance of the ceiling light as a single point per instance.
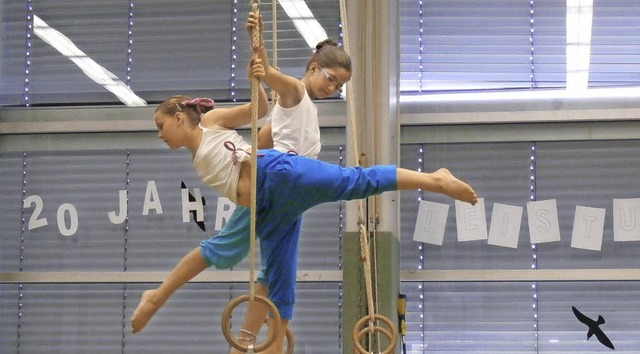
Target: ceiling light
(304, 21)
(93, 70)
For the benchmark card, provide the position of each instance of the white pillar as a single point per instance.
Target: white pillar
(375, 51)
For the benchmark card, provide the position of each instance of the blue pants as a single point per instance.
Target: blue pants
(288, 185)
(231, 244)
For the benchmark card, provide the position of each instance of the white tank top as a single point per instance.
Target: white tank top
(296, 128)
(217, 166)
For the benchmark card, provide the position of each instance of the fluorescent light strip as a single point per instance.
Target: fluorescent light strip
(579, 23)
(93, 70)
(305, 22)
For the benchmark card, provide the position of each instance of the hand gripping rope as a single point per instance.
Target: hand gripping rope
(272, 333)
(371, 321)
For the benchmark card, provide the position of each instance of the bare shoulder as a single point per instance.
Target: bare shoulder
(227, 117)
(294, 93)
(212, 119)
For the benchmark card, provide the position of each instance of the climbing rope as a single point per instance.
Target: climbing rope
(274, 43)
(372, 318)
(226, 316)
(255, 44)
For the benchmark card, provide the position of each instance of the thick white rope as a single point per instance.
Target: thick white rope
(255, 43)
(274, 31)
(274, 44)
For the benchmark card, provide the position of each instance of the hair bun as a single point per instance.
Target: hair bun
(326, 43)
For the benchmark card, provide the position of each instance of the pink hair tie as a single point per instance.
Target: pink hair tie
(201, 105)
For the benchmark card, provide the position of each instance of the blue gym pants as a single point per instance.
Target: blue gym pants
(287, 186)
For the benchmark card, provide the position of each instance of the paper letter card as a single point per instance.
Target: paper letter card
(626, 217)
(505, 225)
(543, 221)
(588, 228)
(431, 222)
(471, 221)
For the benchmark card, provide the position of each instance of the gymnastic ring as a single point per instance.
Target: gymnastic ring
(290, 340)
(226, 328)
(391, 335)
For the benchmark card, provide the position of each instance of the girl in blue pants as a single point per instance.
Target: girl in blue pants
(287, 186)
(292, 127)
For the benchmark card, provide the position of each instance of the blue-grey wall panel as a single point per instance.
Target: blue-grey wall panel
(617, 302)
(473, 317)
(189, 322)
(589, 174)
(11, 167)
(13, 49)
(156, 241)
(9, 320)
(500, 173)
(71, 318)
(73, 192)
(96, 28)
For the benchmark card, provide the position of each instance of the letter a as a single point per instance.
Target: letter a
(151, 199)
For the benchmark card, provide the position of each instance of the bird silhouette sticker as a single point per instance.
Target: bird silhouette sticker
(594, 328)
(193, 212)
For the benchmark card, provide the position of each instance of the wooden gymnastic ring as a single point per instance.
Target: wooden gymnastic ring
(391, 335)
(290, 340)
(226, 328)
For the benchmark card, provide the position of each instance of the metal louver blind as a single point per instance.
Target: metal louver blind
(528, 316)
(68, 199)
(482, 45)
(94, 317)
(499, 173)
(560, 331)
(614, 53)
(11, 237)
(446, 45)
(9, 318)
(72, 318)
(11, 167)
(293, 50)
(183, 48)
(589, 174)
(157, 47)
(473, 317)
(98, 29)
(12, 51)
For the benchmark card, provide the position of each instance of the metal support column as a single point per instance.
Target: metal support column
(374, 47)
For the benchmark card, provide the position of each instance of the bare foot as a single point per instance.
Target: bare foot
(147, 307)
(456, 188)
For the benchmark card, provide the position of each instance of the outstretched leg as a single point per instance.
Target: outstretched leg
(311, 182)
(222, 251)
(152, 300)
(440, 181)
